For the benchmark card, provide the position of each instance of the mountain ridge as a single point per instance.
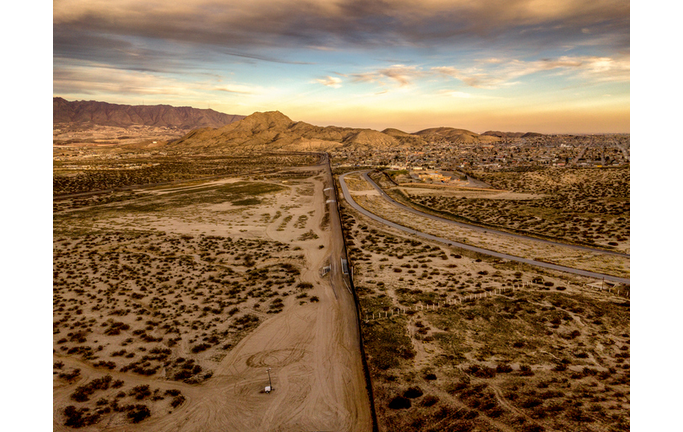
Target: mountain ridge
(120, 115)
(274, 131)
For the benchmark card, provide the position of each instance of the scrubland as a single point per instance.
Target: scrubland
(170, 302)
(588, 206)
(533, 351)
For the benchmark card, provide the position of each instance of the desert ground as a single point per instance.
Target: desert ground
(589, 206)
(462, 342)
(72, 134)
(184, 284)
(366, 196)
(172, 304)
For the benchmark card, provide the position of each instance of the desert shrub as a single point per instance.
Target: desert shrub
(413, 392)
(177, 401)
(503, 368)
(82, 393)
(70, 376)
(455, 387)
(531, 402)
(77, 418)
(140, 392)
(105, 364)
(560, 367)
(429, 400)
(482, 371)
(550, 394)
(137, 413)
(533, 427)
(576, 414)
(573, 335)
(471, 414)
(525, 370)
(199, 348)
(399, 402)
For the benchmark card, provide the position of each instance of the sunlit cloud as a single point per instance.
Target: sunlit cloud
(333, 24)
(398, 74)
(278, 54)
(457, 94)
(506, 73)
(330, 81)
(89, 78)
(236, 88)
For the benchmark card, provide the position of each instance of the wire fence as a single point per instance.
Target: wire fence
(459, 300)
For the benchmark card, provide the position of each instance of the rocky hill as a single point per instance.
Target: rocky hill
(274, 131)
(106, 114)
(500, 134)
(453, 135)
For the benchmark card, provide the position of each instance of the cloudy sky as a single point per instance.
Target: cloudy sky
(558, 66)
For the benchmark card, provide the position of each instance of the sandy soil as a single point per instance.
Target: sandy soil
(609, 264)
(534, 350)
(309, 346)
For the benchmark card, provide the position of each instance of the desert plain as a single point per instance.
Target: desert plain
(187, 280)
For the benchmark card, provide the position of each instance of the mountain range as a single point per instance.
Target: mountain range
(269, 131)
(106, 114)
(261, 131)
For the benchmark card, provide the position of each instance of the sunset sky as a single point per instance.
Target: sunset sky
(553, 66)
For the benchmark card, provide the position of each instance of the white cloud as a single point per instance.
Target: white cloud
(236, 88)
(458, 94)
(401, 74)
(505, 73)
(330, 81)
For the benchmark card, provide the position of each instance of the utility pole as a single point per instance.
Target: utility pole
(270, 383)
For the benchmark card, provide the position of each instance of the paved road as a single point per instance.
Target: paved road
(485, 230)
(352, 203)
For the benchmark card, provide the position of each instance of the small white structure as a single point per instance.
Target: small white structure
(269, 387)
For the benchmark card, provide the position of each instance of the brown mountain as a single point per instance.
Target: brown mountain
(449, 134)
(500, 134)
(106, 114)
(274, 131)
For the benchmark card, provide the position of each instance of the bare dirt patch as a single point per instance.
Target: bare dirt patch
(170, 304)
(458, 341)
(587, 206)
(526, 248)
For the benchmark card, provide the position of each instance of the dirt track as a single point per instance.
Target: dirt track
(312, 350)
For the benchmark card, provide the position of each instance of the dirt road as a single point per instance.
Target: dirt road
(312, 349)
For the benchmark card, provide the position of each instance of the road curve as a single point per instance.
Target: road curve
(352, 203)
(482, 229)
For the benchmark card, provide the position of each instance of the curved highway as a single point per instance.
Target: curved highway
(352, 203)
(482, 229)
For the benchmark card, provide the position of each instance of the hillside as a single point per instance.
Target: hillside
(449, 134)
(274, 131)
(106, 114)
